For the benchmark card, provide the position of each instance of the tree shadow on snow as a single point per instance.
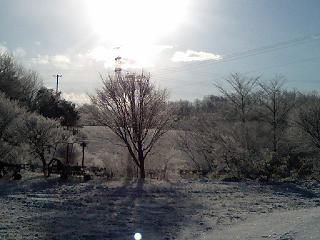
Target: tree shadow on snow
(292, 189)
(29, 185)
(281, 188)
(157, 212)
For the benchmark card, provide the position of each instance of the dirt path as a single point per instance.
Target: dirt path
(300, 224)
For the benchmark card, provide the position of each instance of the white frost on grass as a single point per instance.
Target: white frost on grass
(39, 208)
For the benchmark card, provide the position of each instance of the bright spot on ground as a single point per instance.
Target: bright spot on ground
(137, 236)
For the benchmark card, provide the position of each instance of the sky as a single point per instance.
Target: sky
(186, 45)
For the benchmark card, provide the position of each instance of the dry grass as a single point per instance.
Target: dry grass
(105, 150)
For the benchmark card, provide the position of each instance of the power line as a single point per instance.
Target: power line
(240, 55)
(248, 72)
(162, 72)
(255, 51)
(233, 56)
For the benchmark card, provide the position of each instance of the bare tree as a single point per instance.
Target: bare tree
(309, 121)
(276, 105)
(241, 96)
(199, 140)
(135, 111)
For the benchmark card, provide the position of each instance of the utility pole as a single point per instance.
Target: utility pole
(67, 159)
(57, 87)
(117, 68)
(83, 145)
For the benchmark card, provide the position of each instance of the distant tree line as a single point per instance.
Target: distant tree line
(33, 119)
(255, 129)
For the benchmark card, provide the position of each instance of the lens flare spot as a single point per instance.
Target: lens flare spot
(137, 236)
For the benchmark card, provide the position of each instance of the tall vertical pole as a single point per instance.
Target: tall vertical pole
(117, 68)
(67, 160)
(83, 144)
(57, 85)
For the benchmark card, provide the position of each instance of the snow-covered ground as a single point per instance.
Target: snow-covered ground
(38, 208)
(284, 225)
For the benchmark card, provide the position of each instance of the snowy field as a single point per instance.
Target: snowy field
(38, 208)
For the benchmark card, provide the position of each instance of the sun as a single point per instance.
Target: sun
(137, 26)
(133, 21)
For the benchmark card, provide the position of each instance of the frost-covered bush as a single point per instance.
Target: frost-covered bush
(10, 139)
(43, 136)
(17, 82)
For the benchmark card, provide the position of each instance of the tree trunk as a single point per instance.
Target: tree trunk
(141, 158)
(44, 168)
(141, 162)
(49, 170)
(142, 172)
(274, 123)
(275, 144)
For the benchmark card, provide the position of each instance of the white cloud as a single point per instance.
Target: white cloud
(133, 56)
(191, 55)
(99, 53)
(81, 60)
(19, 52)
(40, 59)
(59, 61)
(78, 98)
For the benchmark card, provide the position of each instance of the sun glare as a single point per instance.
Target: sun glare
(136, 26)
(130, 21)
